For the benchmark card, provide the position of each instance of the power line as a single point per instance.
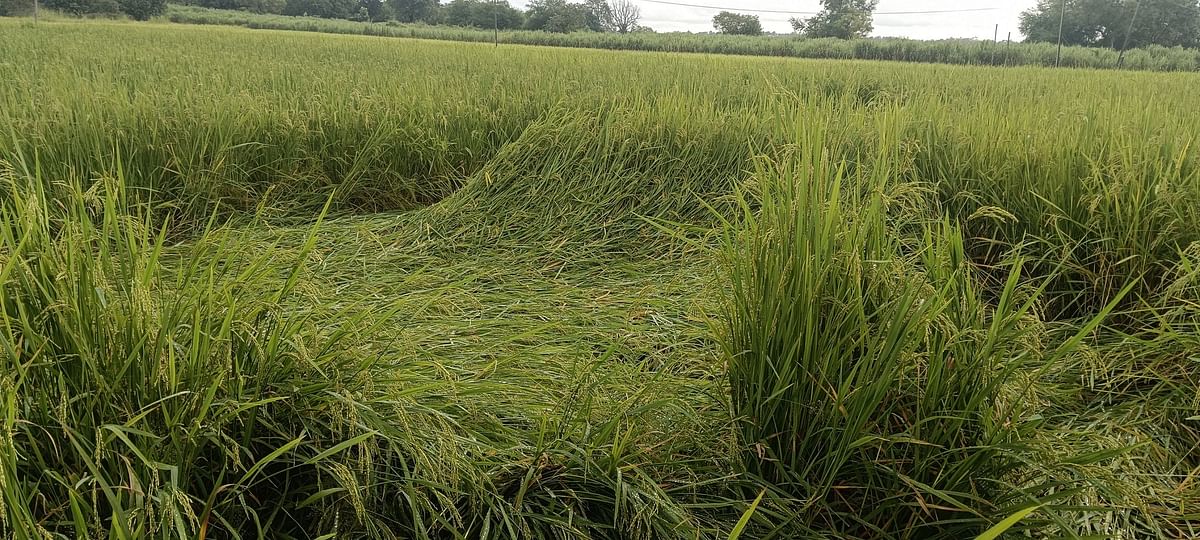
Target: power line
(784, 12)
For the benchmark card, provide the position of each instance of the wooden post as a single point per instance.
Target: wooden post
(1062, 16)
(995, 42)
(496, 21)
(1008, 49)
(1129, 32)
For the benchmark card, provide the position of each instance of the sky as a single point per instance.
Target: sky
(979, 24)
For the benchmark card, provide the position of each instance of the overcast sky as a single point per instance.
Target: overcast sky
(981, 24)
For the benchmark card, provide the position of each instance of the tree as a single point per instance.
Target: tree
(1105, 23)
(84, 7)
(1091, 23)
(599, 16)
(408, 11)
(9, 8)
(374, 10)
(798, 24)
(142, 10)
(1164, 22)
(625, 16)
(844, 19)
(556, 16)
(735, 23)
(483, 14)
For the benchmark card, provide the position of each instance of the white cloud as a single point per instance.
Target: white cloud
(979, 24)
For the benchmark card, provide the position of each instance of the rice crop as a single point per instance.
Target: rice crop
(297, 285)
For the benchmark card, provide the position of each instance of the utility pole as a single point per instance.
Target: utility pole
(35, 11)
(1129, 32)
(496, 21)
(1062, 16)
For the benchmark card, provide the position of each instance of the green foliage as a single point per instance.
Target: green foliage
(373, 10)
(600, 16)
(727, 22)
(842, 19)
(483, 14)
(327, 9)
(559, 16)
(583, 294)
(867, 370)
(142, 10)
(1106, 23)
(13, 8)
(409, 11)
(1008, 523)
(530, 195)
(164, 392)
(84, 7)
(970, 52)
(255, 6)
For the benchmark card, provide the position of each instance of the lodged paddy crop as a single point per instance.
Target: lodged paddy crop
(275, 284)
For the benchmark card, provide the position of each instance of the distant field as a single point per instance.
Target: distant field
(954, 51)
(281, 284)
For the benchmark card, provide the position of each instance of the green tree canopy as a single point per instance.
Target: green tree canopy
(142, 10)
(558, 16)
(84, 7)
(600, 16)
(845, 19)
(9, 8)
(1105, 23)
(737, 23)
(408, 11)
(484, 14)
(373, 10)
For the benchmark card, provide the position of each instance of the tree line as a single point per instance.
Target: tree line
(136, 9)
(1116, 24)
(620, 16)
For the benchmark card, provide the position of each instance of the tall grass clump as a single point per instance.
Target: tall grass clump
(870, 379)
(151, 390)
(1099, 213)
